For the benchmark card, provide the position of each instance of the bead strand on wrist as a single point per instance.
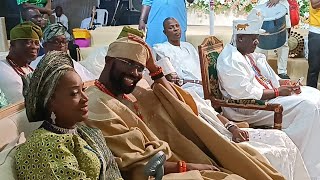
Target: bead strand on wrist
(276, 92)
(182, 166)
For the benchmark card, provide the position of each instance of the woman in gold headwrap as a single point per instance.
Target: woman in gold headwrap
(61, 148)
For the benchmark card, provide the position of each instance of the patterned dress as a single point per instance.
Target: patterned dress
(66, 155)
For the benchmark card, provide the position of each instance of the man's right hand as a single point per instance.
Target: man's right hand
(142, 25)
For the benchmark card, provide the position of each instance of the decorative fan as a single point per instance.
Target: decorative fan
(296, 45)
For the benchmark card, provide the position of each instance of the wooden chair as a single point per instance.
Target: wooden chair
(209, 51)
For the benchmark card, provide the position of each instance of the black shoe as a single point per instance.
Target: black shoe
(284, 76)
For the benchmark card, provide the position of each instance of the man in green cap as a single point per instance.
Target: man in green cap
(24, 47)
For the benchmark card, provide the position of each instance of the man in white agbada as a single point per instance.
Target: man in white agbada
(181, 59)
(182, 55)
(244, 74)
(24, 48)
(54, 39)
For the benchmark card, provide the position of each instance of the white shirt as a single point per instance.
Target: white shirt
(185, 61)
(10, 82)
(62, 19)
(86, 23)
(232, 67)
(82, 71)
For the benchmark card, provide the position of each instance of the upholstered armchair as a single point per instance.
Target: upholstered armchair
(209, 51)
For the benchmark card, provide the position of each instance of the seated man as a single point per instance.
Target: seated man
(173, 55)
(54, 39)
(244, 74)
(182, 55)
(137, 122)
(24, 47)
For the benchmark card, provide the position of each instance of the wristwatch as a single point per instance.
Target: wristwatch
(180, 82)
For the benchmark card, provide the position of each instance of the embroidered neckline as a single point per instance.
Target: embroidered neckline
(102, 88)
(259, 77)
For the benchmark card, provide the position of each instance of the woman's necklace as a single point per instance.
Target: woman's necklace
(260, 78)
(102, 88)
(17, 68)
(56, 129)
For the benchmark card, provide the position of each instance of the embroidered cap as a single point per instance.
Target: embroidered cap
(252, 25)
(128, 49)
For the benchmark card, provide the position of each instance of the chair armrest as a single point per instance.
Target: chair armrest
(267, 106)
(276, 108)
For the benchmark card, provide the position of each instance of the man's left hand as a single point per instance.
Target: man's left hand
(272, 3)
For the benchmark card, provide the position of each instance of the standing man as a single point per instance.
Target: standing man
(24, 47)
(314, 44)
(283, 51)
(60, 17)
(154, 12)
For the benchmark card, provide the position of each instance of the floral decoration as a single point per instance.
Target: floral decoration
(237, 7)
(240, 7)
